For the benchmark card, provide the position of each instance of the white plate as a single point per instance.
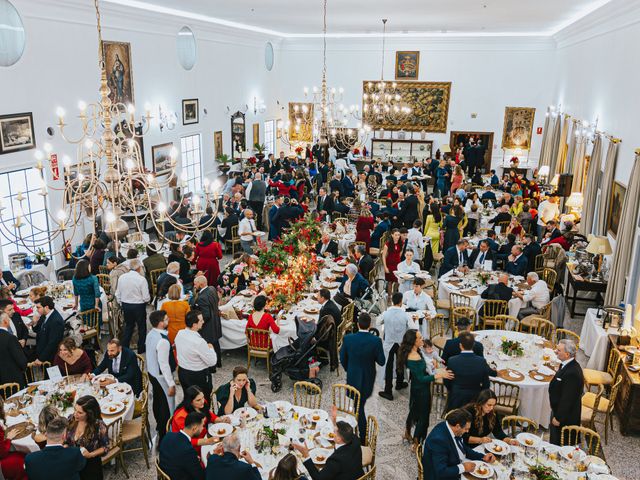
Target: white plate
(122, 388)
(523, 437)
(247, 412)
(569, 451)
(486, 466)
(602, 476)
(220, 429)
(592, 459)
(491, 447)
(327, 433)
(320, 452)
(317, 415)
(111, 408)
(102, 377)
(538, 377)
(282, 405)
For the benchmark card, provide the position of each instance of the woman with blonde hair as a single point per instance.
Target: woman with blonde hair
(176, 310)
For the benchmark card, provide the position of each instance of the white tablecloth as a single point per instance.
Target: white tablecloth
(594, 341)
(48, 271)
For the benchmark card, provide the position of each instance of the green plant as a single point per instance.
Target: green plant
(542, 472)
(259, 147)
(511, 348)
(223, 159)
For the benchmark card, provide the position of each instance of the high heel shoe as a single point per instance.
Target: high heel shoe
(407, 437)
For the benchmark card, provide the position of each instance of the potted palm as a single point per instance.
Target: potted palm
(223, 160)
(259, 148)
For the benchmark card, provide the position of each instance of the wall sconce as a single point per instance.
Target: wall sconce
(258, 106)
(167, 119)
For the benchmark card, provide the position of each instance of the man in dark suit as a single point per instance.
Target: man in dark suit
(446, 456)
(516, 262)
(365, 262)
(178, 458)
(452, 346)
(335, 185)
(565, 391)
(55, 460)
(359, 354)
(326, 246)
(206, 299)
(274, 226)
(382, 227)
(329, 307)
(324, 203)
(481, 255)
(471, 374)
(12, 357)
(122, 363)
(502, 216)
(17, 326)
(455, 257)
(500, 290)
(49, 328)
(531, 250)
(8, 280)
(226, 464)
(348, 186)
(345, 463)
(553, 231)
(409, 211)
(491, 238)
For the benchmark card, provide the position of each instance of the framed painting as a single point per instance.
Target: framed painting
(618, 193)
(518, 127)
(161, 155)
(77, 180)
(300, 122)
(16, 133)
(256, 133)
(238, 133)
(429, 103)
(190, 111)
(407, 65)
(117, 63)
(217, 144)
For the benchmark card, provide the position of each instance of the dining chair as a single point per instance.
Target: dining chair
(549, 275)
(259, 346)
(137, 429)
(529, 322)
(596, 377)
(235, 239)
(508, 322)
(603, 405)
(491, 308)
(137, 406)
(327, 333)
(371, 441)
(36, 373)
(514, 424)
(437, 331)
(543, 328)
(457, 300)
(104, 280)
(153, 276)
(370, 475)
(9, 389)
(348, 315)
(463, 312)
(539, 263)
(307, 394)
(91, 322)
(508, 401)
(589, 409)
(160, 472)
(563, 333)
(346, 399)
(114, 450)
(572, 435)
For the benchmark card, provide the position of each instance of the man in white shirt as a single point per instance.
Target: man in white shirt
(133, 294)
(417, 300)
(195, 356)
(160, 366)
(415, 240)
(247, 231)
(537, 297)
(547, 210)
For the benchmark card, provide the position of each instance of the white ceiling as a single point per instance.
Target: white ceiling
(361, 17)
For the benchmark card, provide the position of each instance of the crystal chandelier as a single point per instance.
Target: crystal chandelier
(109, 180)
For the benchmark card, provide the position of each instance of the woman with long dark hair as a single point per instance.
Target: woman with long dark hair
(207, 254)
(88, 432)
(410, 356)
(85, 287)
(485, 421)
(287, 469)
(451, 224)
(391, 257)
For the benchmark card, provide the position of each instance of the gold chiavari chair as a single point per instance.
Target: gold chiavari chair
(596, 377)
(549, 275)
(141, 363)
(488, 312)
(235, 239)
(419, 458)
(136, 429)
(529, 322)
(457, 300)
(563, 333)
(544, 328)
(514, 424)
(370, 475)
(348, 315)
(153, 275)
(508, 322)
(36, 373)
(346, 398)
(588, 412)
(103, 270)
(571, 435)
(539, 264)
(9, 389)
(602, 406)
(307, 394)
(463, 312)
(160, 472)
(437, 331)
(91, 321)
(114, 451)
(370, 443)
(259, 346)
(508, 402)
(104, 280)
(137, 406)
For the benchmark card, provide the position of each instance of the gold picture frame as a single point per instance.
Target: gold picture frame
(256, 133)
(161, 158)
(217, 144)
(407, 65)
(518, 127)
(117, 64)
(304, 132)
(618, 194)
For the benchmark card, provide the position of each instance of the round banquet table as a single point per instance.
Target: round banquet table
(41, 395)
(534, 398)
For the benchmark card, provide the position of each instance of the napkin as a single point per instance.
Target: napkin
(283, 440)
(595, 468)
(544, 370)
(503, 356)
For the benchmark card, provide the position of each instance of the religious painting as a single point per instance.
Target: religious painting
(161, 155)
(407, 65)
(429, 104)
(117, 64)
(300, 122)
(16, 133)
(518, 127)
(618, 193)
(217, 144)
(190, 111)
(256, 133)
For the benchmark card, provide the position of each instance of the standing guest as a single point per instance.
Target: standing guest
(382, 227)
(117, 267)
(154, 261)
(409, 211)
(178, 255)
(287, 469)
(565, 391)
(411, 356)
(547, 211)
(11, 461)
(228, 464)
(122, 363)
(391, 257)
(485, 421)
(177, 457)
(85, 287)
(410, 268)
(470, 373)
(12, 357)
(194, 401)
(364, 226)
(353, 284)
(537, 296)
(49, 328)
(516, 262)
(208, 252)
(88, 432)
(205, 300)
(9, 306)
(161, 364)
(261, 320)
(432, 227)
(248, 232)
(452, 346)
(66, 462)
(8, 280)
(324, 204)
(359, 354)
(166, 280)
(531, 250)
(72, 360)
(237, 393)
(97, 255)
(446, 456)
(195, 356)
(396, 323)
(133, 294)
(415, 240)
(451, 225)
(274, 221)
(456, 179)
(176, 309)
(256, 194)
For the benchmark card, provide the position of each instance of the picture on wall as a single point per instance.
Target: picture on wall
(429, 103)
(16, 133)
(190, 111)
(77, 179)
(217, 144)
(162, 158)
(117, 63)
(300, 130)
(518, 127)
(256, 133)
(618, 193)
(407, 65)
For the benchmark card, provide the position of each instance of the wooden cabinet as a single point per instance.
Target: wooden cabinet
(628, 402)
(401, 151)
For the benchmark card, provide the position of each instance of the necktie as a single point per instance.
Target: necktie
(460, 443)
(461, 259)
(482, 258)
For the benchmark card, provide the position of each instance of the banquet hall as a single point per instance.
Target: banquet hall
(319, 240)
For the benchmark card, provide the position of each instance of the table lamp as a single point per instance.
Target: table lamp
(445, 148)
(555, 180)
(544, 172)
(599, 246)
(574, 202)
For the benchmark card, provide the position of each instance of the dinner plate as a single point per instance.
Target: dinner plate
(111, 408)
(220, 429)
(311, 311)
(601, 476)
(482, 470)
(497, 447)
(569, 452)
(327, 433)
(528, 439)
(342, 263)
(317, 415)
(247, 293)
(331, 285)
(592, 459)
(319, 455)
(103, 377)
(247, 412)
(282, 405)
(122, 388)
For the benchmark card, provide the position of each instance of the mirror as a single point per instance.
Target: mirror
(238, 137)
(268, 56)
(12, 35)
(187, 48)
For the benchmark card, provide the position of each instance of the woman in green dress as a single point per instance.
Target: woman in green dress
(410, 356)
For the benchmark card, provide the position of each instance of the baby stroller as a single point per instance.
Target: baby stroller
(293, 360)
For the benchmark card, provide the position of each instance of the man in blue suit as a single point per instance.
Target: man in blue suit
(452, 345)
(455, 257)
(178, 458)
(359, 354)
(517, 263)
(274, 226)
(122, 363)
(348, 186)
(227, 465)
(49, 328)
(54, 460)
(446, 456)
(8, 280)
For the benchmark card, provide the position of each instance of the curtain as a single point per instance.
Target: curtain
(554, 146)
(545, 156)
(621, 264)
(579, 166)
(591, 187)
(573, 141)
(600, 228)
(562, 145)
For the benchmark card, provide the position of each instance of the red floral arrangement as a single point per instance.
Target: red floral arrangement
(299, 150)
(515, 160)
(356, 151)
(252, 160)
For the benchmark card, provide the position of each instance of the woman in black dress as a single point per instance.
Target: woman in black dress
(88, 432)
(485, 421)
(237, 393)
(451, 227)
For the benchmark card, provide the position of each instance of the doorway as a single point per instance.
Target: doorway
(464, 137)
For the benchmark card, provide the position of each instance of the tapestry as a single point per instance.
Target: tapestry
(518, 127)
(300, 122)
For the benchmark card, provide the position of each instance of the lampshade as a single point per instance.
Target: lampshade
(575, 200)
(445, 148)
(599, 246)
(544, 171)
(555, 180)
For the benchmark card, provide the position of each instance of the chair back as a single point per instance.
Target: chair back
(346, 398)
(31, 278)
(105, 282)
(437, 327)
(563, 333)
(464, 312)
(491, 308)
(615, 389)
(258, 339)
(114, 432)
(343, 220)
(508, 394)
(371, 439)
(508, 322)
(459, 300)
(140, 360)
(348, 314)
(9, 389)
(573, 435)
(234, 233)
(65, 274)
(419, 458)
(370, 475)
(307, 394)
(161, 474)
(153, 275)
(539, 263)
(545, 312)
(90, 318)
(36, 373)
(514, 424)
(543, 327)
(614, 362)
(549, 275)
(502, 226)
(591, 422)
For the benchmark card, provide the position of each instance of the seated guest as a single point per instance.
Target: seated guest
(502, 216)
(364, 261)
(326, 246)
(342, 206)
(491, 238)
(537, 296)
(72, 360)
(177, 457)
(485, 421)
(455, 257)
(531, 250)
(11, 461)
(16, 326)
(237, 393)
(446, 456)
(8, 280)
(227, 464)
(353, 284)
(500, 290)
(49, 328)
(552, 232)
(516, 262)
(407, 266)
(117, 267)
(87, 431)
(505, 249)
(382, 227)
(122, 363)
(481, 255)
(167, 279)
(260, 319)
(154, 261)
(328, 306)
(194, 401)
(494, 180)
(417, 300)
(66, 462)
(489, 195)
(12, 356)
(287, 469)
(176, 309)
(452, 346)
(179, 255)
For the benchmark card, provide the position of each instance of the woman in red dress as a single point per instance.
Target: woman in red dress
(207, 255)
(12, 463)
(364, 225)
(391, 257)
(261, 320)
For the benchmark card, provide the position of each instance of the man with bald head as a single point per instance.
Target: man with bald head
(205, 298)
(517, 262)
(500, 290)
(248, 232)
